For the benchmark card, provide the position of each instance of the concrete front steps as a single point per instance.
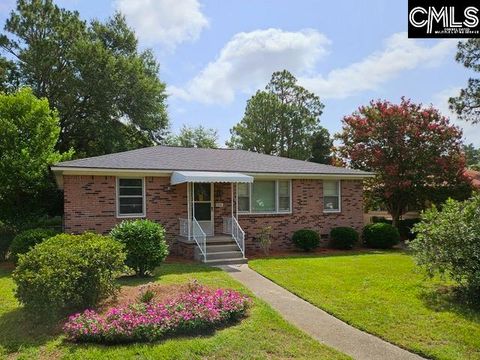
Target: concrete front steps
(221, 250)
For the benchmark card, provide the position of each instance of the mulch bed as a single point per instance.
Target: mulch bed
(130, 294)
(7, 266)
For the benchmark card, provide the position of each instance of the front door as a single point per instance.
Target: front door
(202, 206)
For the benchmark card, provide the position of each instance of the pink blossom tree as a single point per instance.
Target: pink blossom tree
(414, 151)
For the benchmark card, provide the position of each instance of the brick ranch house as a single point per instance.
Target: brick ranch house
(213, 203)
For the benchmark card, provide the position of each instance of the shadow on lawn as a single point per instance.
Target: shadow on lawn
(167, 269)
(19, 331)
(6, 270)
(450, 299)
(200, 334)
(329, 253)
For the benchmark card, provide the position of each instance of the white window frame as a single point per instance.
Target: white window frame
(117, 198)
(249, 191)
(277, 202)
(336, 211)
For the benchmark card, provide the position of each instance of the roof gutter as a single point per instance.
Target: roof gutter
(59, 171)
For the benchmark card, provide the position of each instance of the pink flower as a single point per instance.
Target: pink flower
(200, 307)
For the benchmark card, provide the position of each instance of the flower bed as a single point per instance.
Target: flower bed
(199, 309)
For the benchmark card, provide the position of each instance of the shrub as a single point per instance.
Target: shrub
(405, 226)
(380, 236)
(7, 234)
(146, 295)
(144, 243)
(448, 243)
(26, 240)
(265, 240)
(200, 309)
(306, 239)
(68, 272)
(343, 238)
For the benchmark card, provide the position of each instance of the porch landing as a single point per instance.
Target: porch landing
(221, 250)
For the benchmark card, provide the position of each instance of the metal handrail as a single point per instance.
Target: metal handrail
(200, 238)
(184, 225)
(238, 235)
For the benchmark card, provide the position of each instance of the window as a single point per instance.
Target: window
(264, 196)
(131, 197)
(243, 190)
(331, 196)
(284, 196)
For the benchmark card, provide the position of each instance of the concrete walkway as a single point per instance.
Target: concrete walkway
(316, 322)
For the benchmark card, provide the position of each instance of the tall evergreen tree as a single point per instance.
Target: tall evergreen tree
(107, 93)
(281, 120)
(467, 104)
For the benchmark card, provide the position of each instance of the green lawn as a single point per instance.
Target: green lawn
(383, 294)
(263, 335)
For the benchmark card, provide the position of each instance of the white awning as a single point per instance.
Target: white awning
(179, 177)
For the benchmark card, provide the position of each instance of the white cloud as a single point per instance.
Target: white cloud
(471, 132)
(248, 60)
(399, 54)
(167, 22)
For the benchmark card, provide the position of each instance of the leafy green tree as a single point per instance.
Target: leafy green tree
(415, 153)
(472, 157)
(467, 104)
(30, 130)
(107, 92)
(199, 137)
(322, 145)
(447, 243)
(281, 120)
(7, 75)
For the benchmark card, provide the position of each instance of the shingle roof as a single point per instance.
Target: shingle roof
(195, 159)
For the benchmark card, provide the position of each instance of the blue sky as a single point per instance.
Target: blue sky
(215, 54)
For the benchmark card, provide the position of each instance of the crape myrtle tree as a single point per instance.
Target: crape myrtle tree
(107, 93)
(467, 104)
(415, 153)
(283, 120)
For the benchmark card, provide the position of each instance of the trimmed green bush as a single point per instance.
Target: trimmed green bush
(306, 239)
(448, 243)
(67, 273)
(144, 242)
(380, 236)
(26, 240)
(405, 226)
(343, 238)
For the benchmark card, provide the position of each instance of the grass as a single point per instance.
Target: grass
(263, 335)
(384, 294)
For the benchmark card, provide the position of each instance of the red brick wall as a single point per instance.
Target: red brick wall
(90, 205)
(307, 213)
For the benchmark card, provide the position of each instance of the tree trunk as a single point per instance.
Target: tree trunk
(395, 220)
